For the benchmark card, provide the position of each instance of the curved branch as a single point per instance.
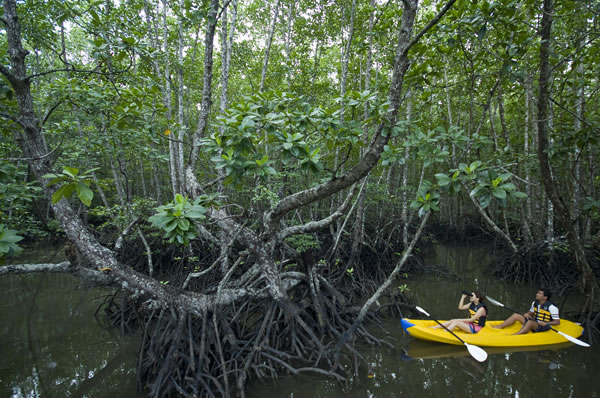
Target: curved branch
(430, 25)
(492, 224)
(9, 76)
(52, 110)
(314, 226)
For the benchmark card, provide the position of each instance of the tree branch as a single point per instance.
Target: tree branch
(430, 25)
(314, 226)
(52, 110)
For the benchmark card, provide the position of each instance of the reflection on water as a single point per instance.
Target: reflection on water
(556, 371)
(51, 345)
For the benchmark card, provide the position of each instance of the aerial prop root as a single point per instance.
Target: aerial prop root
(217, 352)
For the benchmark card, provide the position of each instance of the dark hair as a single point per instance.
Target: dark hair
(547, 292)
(479, 295)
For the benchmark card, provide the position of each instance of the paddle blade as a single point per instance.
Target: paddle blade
(495, 302)
(421, 310)
(572, 339)
(477, 352)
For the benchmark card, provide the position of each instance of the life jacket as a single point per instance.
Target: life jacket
(541, 312)
(473, 310)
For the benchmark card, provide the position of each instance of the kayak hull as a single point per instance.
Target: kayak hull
(489, 336)
(422, 349)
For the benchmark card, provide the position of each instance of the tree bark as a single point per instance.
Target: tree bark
(206, 88)
(359, 224)
(263, 77)
(588, 280)
(180, 93)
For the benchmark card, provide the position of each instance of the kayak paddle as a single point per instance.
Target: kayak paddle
(475, 351)
(566, 336)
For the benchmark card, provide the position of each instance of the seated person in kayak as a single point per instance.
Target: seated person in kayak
(477, 312)
(542, 314)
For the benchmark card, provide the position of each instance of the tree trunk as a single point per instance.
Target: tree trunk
(206, 89)
(180, 93)
(288, 41)
(359, 224)
(263, 77)
(501, 114)
(587, 278)
(173, 162)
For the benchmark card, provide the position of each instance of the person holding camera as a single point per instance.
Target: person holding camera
(477, 314)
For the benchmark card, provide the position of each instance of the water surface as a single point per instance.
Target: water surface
(52, 346)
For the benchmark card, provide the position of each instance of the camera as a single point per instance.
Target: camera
(469, 294)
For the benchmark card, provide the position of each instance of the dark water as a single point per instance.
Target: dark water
(52, 346)
(416, 368)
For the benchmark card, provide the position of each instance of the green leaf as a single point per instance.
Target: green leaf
(85, 194)
(58, 195)
(70, 171)
(519, 195)
(183, 224)
(499, 193)
(262, 161)
(443, 179)
(10, 236)
(171, 225)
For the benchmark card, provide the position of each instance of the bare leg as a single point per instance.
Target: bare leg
(528, 327)
(462, 326)
(446, 324)
(455, 323)
(511, 320)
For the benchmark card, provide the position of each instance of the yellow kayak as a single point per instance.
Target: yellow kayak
(490, 337)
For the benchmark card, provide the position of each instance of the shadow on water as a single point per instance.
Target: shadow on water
(51, 344)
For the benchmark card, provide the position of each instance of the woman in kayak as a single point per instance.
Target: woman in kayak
(477, 314)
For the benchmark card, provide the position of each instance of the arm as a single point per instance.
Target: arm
(553, 322)
(529, 314)
(461, 304)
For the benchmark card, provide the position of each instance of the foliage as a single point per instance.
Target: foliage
(72, 182)
(8, 242)
(118, 216)
(272, 133)
(303, 242)
(428, 198)
(489, 184)
(16, 198)
(177, 219)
